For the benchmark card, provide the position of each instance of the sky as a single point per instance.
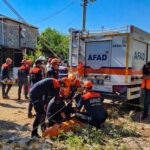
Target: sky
(64, 14)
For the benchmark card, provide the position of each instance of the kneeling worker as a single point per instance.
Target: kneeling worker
(56, 110)
(95, 112)
(48, 86)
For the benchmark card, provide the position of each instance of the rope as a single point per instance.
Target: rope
(54, 113)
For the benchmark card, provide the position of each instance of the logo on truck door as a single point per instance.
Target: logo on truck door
(97, 57)
(139, 56)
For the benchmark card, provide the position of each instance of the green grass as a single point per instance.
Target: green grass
(109, 137)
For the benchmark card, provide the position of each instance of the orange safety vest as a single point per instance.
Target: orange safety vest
(80, 69)
(145, 84)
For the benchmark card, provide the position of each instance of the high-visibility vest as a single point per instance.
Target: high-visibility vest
(145, 84)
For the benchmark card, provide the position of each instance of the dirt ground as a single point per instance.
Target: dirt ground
(13, 115)
(14, 122)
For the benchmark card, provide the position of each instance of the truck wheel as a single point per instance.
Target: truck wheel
(135, 104)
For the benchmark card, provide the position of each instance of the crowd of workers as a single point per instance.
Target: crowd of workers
(57, 95)
(54, 93)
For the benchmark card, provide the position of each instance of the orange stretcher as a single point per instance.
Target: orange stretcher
(66, 126)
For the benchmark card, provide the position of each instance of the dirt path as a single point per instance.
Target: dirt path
(13, 115)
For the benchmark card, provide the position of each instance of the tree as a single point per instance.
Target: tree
(55, 42)
(34, 56)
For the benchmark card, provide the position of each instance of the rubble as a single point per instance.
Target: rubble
(27, 143)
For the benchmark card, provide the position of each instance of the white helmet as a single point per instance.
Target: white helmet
(42, 58)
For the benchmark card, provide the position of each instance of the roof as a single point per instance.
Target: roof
(17, 21)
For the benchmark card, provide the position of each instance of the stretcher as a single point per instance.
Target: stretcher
(66, 126)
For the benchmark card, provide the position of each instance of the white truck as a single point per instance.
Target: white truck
(112, 59)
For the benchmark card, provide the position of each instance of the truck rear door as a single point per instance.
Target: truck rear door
(97, 56)
(139, 57)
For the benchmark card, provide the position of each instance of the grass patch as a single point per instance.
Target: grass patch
(109, 137)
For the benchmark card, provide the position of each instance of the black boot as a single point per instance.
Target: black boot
(19, 96)
(35, 134)
(30, 115)
(26, 97)
(144, 116)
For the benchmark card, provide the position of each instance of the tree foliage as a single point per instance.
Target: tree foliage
(35, 56)
(55, 42)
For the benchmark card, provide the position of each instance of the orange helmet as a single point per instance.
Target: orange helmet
(29, 62)
(65, 92)
(65, 81)
(55, 61)
(71, 77)
(87, 84)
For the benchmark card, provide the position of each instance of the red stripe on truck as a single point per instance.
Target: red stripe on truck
(113, 71)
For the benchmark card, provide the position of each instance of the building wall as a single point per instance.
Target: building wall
(13, 41)
(1, 33)
(30, 39)
(11, 34)
(17, 35)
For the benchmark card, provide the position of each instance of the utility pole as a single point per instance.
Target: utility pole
(84, 5)
(84, 15)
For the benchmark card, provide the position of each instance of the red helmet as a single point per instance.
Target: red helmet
(23, 61)
(50, 59)
(55, 61)
(87, 84)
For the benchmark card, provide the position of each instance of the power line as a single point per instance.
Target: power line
(14, 10)
(72, 21)
(8, 10)
(56, 13)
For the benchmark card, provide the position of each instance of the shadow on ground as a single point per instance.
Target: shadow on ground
(11, 106)
(117, 111)
(21, 101)
(8, 129)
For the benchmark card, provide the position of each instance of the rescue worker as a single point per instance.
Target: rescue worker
(35, 76)
(146, 87)
(22, 74)
(74, 87)
(80, 69)
(75, 84)
(63, 70)
(56, 108)
(36, 73)
(5, 76)
(53, 71)
(49, 86)
(95, 113)
(43, 66)
(48, 65)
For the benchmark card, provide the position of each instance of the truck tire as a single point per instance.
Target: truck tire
(135, 104)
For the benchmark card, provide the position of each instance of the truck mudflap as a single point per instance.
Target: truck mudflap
(127, 92)
(133, 93)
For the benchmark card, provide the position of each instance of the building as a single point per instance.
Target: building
(16, 39)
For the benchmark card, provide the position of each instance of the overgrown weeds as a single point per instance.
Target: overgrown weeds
(108, 137)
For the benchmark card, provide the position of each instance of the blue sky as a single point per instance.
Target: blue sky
(63, 14)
